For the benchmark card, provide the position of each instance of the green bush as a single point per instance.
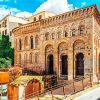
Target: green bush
(6, 52)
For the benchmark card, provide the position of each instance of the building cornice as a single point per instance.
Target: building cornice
(71, 15)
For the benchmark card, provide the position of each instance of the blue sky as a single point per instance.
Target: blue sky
(25, 8)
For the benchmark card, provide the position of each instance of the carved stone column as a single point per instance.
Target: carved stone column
(70, 63)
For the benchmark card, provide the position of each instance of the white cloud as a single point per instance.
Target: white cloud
(83, 3)
(55, 6)
(23, 14)
(5, 10)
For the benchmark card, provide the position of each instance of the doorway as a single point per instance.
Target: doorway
(50, 64)
(80, 64)
(64, 65)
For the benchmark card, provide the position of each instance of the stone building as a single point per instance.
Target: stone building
(65, 44)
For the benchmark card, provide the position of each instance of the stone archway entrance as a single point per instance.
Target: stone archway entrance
(50, 64)
(80, 64)
(64, 65)
(63, 60)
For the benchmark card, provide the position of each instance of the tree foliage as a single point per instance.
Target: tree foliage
(6, 52)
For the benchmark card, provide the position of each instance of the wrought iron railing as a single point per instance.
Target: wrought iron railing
(64, 88)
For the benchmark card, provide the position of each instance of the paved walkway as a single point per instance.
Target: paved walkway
(92, 95)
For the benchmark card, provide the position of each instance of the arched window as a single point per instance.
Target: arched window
(81, 29)
(73, 32)
(66, 30)
(36, 41)
(59, 35)
(19, 58)
(30, 57)
(40, 17)
(36, 58)
(31, 42)
(20, 44)
(47, 36)
(65, 34)
(34, 19)
(26, 41)
(53, 35)
(25, 58)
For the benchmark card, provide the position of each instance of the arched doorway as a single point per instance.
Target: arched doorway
(50, 64)
(64, 65)
(80, 64)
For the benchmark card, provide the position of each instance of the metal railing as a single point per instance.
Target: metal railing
(65, 88)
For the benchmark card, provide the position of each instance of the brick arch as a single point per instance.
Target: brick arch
(73, 29)
(63, 58)
(72, 26)
(82, 22)
(62, 41)
(78, 46)
(33, 86)
(78, 38)
(62, 44)
(49, 46)
(78, 41)
(49, 59)
(78, 52)
(81, 27)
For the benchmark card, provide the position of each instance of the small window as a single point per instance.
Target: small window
(47, 36)
(59, 35)
(20, 44)
(53, 35)
(66, 34)
(40, 17)
(34, 18)
(6, 32)
(73, 32)
(81, 29)
(31, 42)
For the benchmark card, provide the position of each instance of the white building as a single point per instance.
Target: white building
(8, 23)
(39, 16)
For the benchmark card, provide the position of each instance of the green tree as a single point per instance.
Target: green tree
(6, 52)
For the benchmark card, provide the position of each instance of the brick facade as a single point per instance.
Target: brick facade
(62, 42)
